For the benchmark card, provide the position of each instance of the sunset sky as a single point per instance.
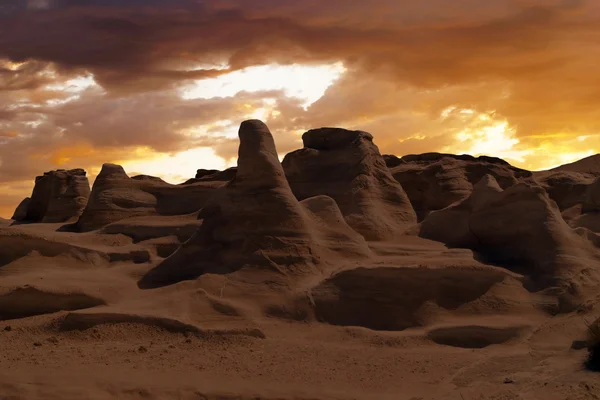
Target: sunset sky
(160, 86)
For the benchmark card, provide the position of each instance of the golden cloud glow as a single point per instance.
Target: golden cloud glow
(487, 134)
(484, 134)
(70, 90)
(305, 82)
(175, 168)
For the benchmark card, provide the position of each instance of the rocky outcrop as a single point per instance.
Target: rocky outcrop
(58, 196)
(255, 222)
(568, 189)
(20, 213)
(520, 227)
(347, 166)
(434, 181)
(116, 196)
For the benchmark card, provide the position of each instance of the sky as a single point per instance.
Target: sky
(161, 86)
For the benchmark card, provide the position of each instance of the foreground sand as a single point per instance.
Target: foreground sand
(295, 361)
(242, 353)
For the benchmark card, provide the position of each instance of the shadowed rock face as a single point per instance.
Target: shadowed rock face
(347, 166)
(587, 213)
(57, 196)
(255, 221)
(434, 181)
(591, 201)
(518, 226)
(566, 188)
(116, 196)
(21, 210)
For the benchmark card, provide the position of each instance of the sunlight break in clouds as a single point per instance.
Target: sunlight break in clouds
(305, 82)
(73, 87)
(484, 134)
(176, 168)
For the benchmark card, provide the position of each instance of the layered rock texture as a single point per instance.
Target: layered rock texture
(116, 196)
(520, 227)
(434, 181)
(347, 166)
(568, 189)
(255, 221)
(58, 196)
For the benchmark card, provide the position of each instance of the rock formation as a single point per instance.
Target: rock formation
(519, 227)
(116, 196)
(20, 213)
(347, 166)
(255, 221)
(58, 196)
(208, 175)
(568, 189)
(434, 181)
(587, 213)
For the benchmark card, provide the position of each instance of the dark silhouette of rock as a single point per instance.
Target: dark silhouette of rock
(213, 175)
(21, 210)
(205, 172)
(58, 196)
(116, 196)
(255, 221)
(347, 166)
(433, 181)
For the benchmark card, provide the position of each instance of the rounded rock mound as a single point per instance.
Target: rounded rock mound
(347, 166)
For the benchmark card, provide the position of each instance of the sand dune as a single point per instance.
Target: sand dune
(305, 279)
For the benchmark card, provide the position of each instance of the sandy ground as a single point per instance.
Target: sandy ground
(205, 339)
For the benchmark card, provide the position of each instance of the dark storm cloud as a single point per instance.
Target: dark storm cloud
(158, 42)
